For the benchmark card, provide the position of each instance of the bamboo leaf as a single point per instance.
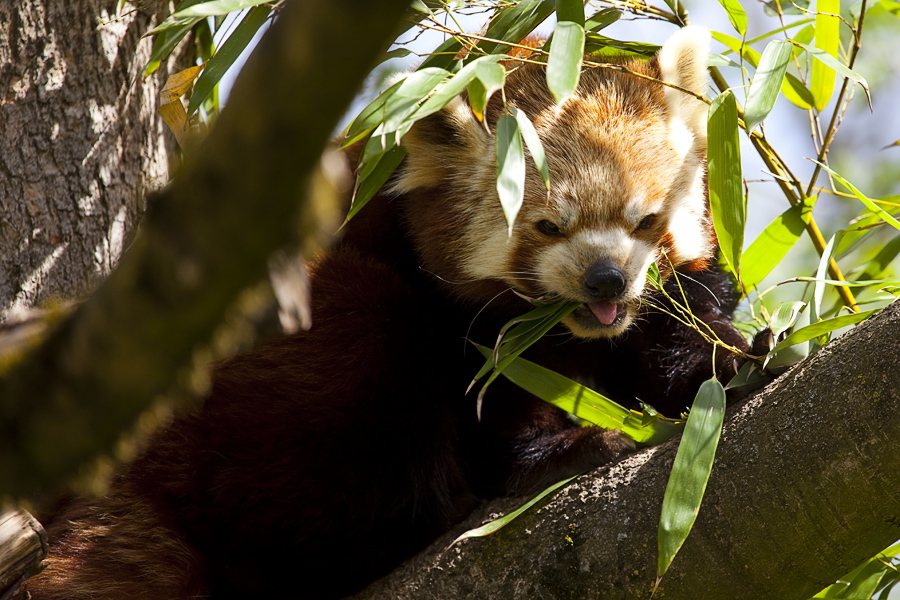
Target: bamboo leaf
(827, 41)
(878, 265)
(405, 100)
(227, 54)
(726, 197)
(166, 41)
(864, 580)
(489, 78)
(367, 186)
(885, 216)
(455, 86)
(736, 15)
(743, 49)
(815, 306)
(767, 82)
(814, 330)
(771, 246)
(586, 403)
(602, 19)
(599, 45)
(516, 336)
(510, 167)
(443, 56)
(832, 62)
(515, 22)
(690, 471)
(496, 524)
(792, 88)
(369, 117)
(217, 7)
(839, 283)
(533, 142)
(564, 64)
(570, 10)
(784, 317)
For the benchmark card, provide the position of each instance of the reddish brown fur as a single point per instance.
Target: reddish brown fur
(322, 460)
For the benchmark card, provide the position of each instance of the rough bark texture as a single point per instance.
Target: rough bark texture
(805, 487)
(23, 547)
(81, 142)
(247, 192)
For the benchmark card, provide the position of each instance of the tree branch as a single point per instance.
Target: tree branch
(803, 490)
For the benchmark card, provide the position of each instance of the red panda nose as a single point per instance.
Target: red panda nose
(604, 280)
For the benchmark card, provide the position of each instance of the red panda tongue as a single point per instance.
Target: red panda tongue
(604, 311)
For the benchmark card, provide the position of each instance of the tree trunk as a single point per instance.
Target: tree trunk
(81, 142)
(804, 489)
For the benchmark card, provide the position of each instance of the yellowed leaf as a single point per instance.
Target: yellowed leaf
(171, 109)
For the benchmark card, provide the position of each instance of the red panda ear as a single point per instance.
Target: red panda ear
(683, 62)
(451, 136)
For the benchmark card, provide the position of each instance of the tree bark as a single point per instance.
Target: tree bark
(82, 142)
(804, 489)
(23, 547)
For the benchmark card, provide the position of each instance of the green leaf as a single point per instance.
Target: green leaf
(488, 79)
(570, 10)
(838, 283)
(792, 88)
(885, 216)
(767, 82)
(741, 48)
(690, 471)
(166, 41)
(599, 45)
(827, 41)
(864, 580)
(515, 22)
(369, 117)
(654, 277)
(832, 62)
(375, 178)
(878, 265)
(726, 197)
(454, 87)
(795, 91)
(822, 327)
(496, 524)
(443, 56)
(736, 15)
(602, 19)
(790, 355)
(564, 64)
(533, 142)
(784, 317)
(510, 167)
(227, 54)
(815, 307)
(585, 403)
(217, 7)
(405, 100)
(517, 335)
(786, 7)
(773, 244)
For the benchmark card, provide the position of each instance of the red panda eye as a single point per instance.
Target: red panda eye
(646, 223)
(548, 228)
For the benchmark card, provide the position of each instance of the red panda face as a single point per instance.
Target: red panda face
(627, 172)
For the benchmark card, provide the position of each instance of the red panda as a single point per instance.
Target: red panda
(322, 460)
